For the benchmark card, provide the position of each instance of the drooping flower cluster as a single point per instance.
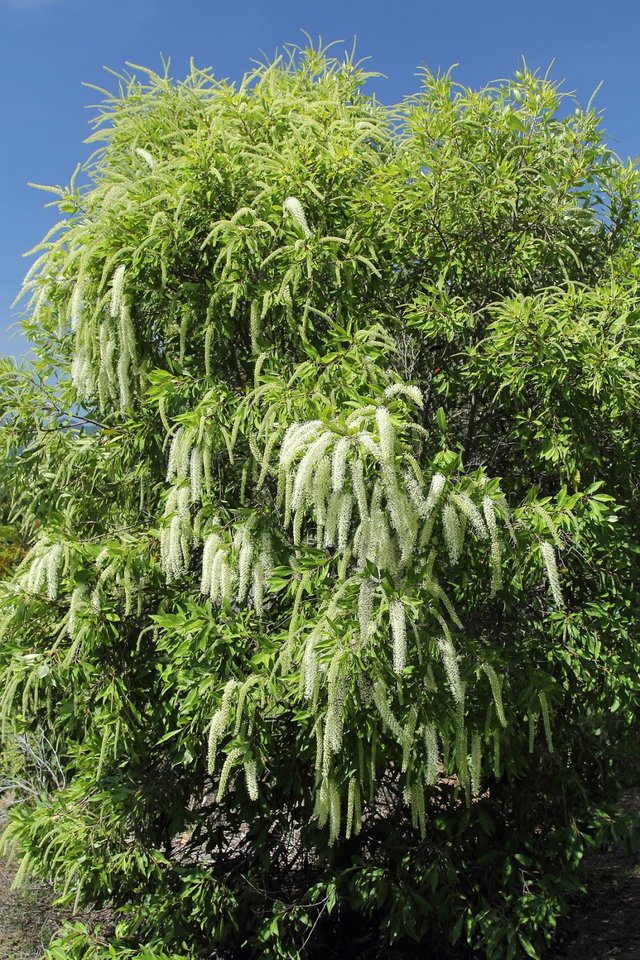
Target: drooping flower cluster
(294, 208)
(105, 362)
(234, 567)
(551, 567)
(176, 538)
(359, 485)
(326, 475)
(190, 460)
(44, 570)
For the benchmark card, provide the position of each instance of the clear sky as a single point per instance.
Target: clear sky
(48, 47)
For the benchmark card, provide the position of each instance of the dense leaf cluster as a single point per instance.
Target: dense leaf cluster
(327, 459)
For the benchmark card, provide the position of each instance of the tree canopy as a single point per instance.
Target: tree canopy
(327, 460)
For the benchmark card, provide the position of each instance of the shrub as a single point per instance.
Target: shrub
(328, 463)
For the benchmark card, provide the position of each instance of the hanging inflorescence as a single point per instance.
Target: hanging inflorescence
(105, 364)
(236, 567)
(45, 568)
(366, 495)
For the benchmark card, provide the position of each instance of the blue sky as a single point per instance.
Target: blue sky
(48, 47)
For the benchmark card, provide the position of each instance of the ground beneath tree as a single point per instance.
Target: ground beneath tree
(27, 919)
(604, 923)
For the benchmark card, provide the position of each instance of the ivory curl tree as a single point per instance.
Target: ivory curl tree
(328, 463)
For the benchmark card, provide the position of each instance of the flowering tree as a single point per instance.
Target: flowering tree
(327, 460)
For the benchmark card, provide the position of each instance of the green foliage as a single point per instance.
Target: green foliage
(11, 551)
(76, 942)
(328, 467)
